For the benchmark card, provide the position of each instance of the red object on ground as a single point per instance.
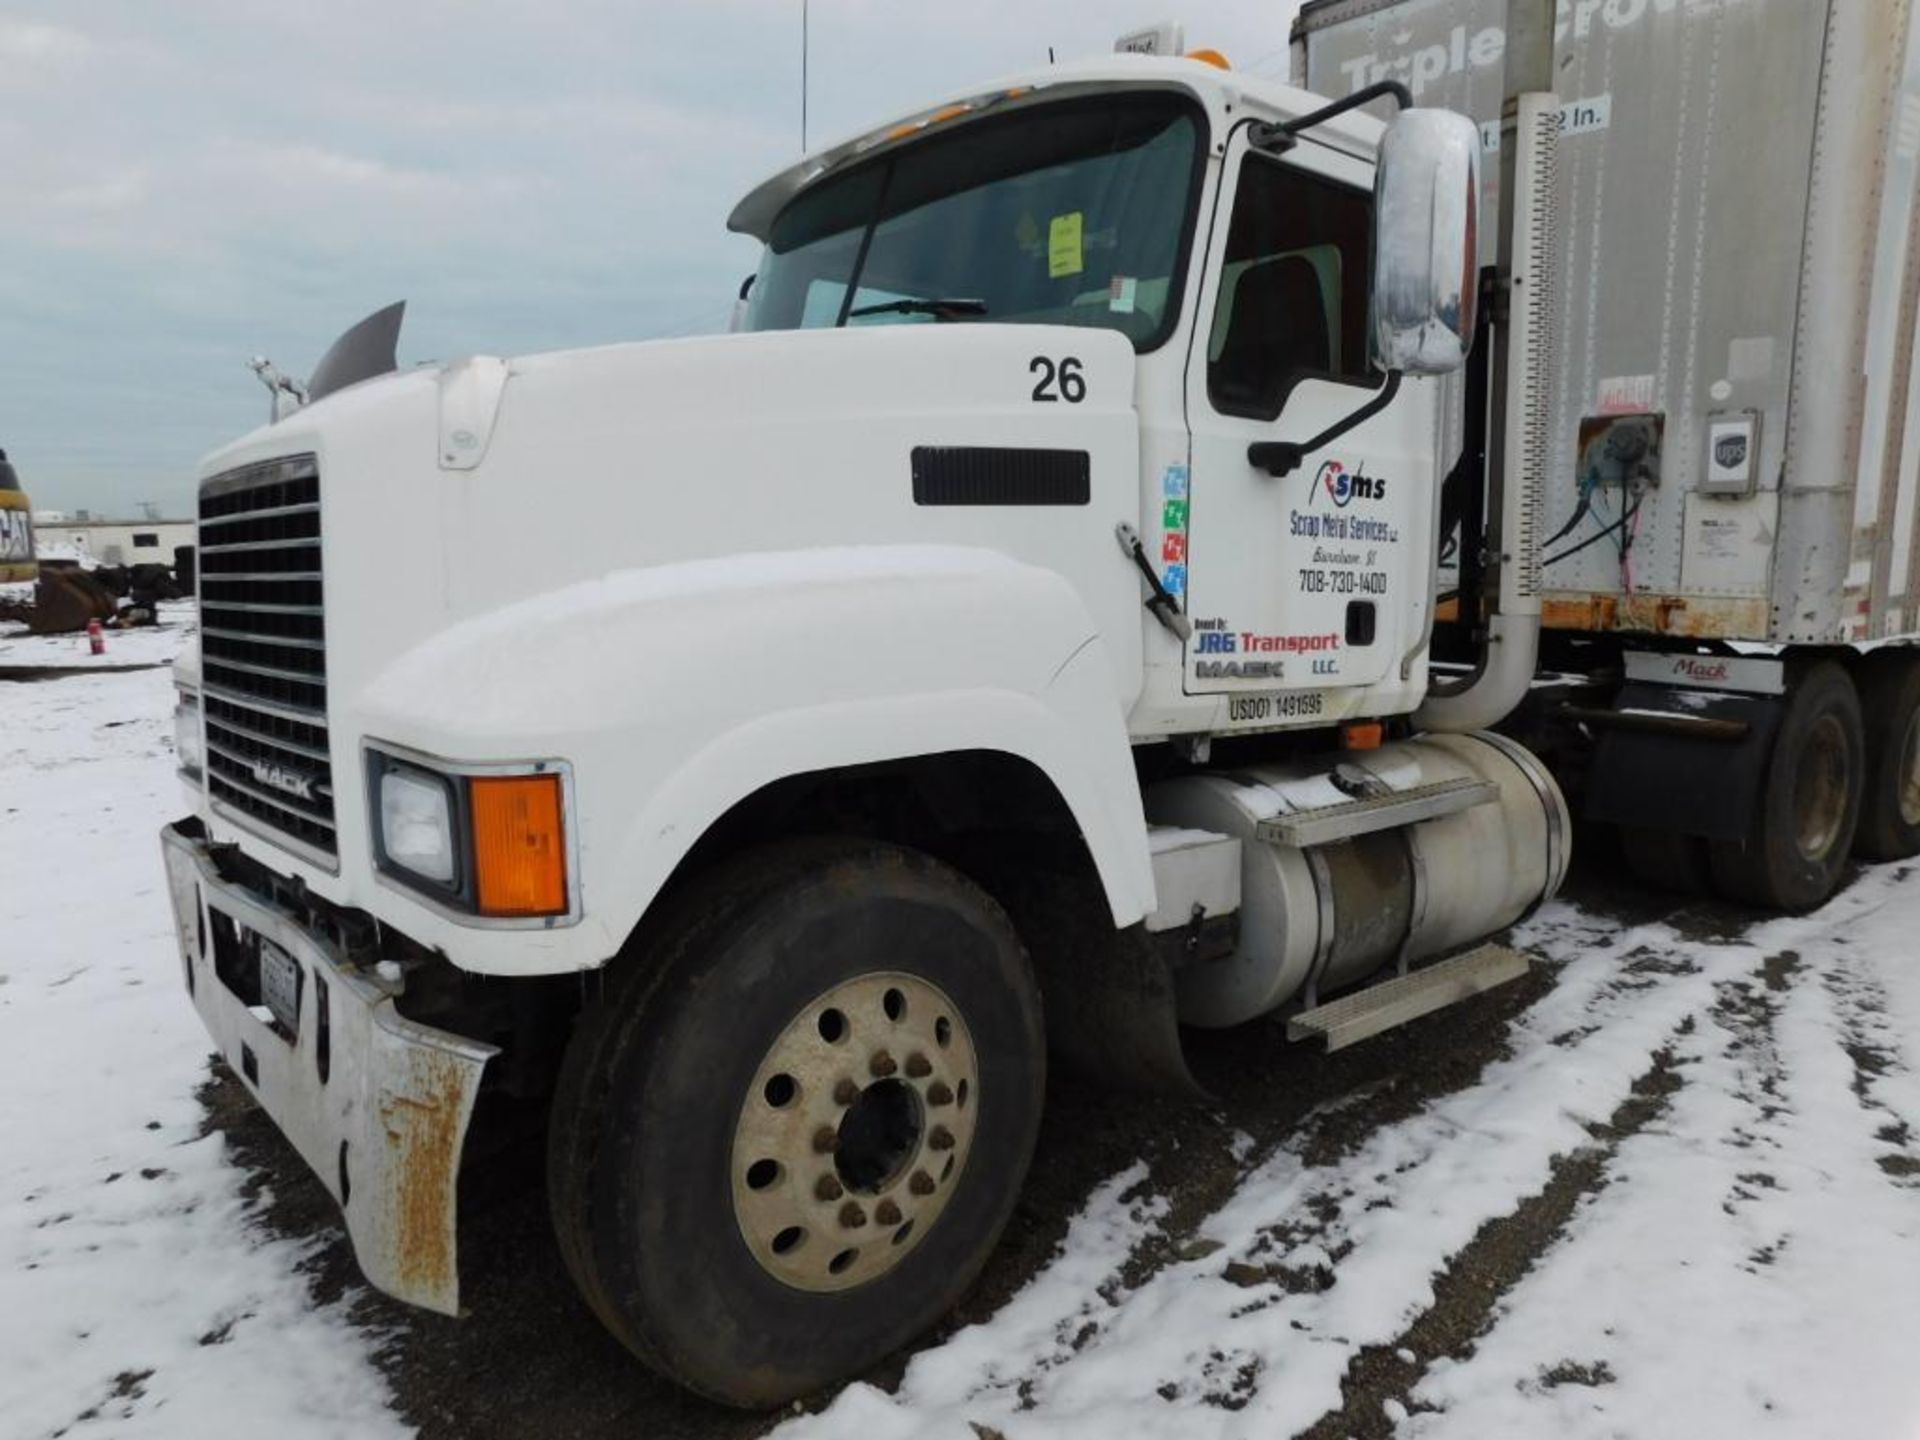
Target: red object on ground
(96, 638)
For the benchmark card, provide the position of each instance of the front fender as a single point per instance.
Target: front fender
(676, 692)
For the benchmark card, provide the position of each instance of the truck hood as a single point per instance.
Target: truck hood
(594, 463)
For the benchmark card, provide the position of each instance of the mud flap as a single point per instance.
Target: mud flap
(1110, 1012)
(1109, 994)
(1673, 783)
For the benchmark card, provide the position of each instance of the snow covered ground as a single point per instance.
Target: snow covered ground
(150, 645)
(1684, 1202)
(138, 1297)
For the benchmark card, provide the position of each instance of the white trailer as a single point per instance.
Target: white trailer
(1734, 443)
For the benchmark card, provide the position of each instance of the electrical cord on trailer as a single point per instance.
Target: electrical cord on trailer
(1628, 535)
(1593, 539)
(1580, 512)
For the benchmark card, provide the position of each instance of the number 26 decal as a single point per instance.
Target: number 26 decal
(1061, 382)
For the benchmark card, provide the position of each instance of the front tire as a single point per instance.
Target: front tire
(787, 1145)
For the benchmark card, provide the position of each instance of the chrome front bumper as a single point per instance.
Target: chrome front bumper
(377, 1105)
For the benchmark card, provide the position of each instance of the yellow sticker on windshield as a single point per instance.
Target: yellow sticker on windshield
(1063, 245)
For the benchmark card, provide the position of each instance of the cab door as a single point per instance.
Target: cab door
(1310, 583)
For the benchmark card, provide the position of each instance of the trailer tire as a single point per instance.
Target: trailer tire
(714, 1214)
(1809, 804)
(1663, 860)
(1890, 804)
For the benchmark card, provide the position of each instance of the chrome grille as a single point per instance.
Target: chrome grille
(263, 649)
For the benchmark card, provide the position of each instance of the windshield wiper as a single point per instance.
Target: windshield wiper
(939, 309)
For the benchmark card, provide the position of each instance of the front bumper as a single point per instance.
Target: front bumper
(377, 1105)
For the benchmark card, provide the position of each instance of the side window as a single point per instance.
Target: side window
(1293, 289)
(145, 540)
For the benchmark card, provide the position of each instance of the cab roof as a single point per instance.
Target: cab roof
(1227, 96)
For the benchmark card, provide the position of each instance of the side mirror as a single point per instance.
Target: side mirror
(1426, 242)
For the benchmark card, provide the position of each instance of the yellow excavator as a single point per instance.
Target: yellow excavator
(16, 528)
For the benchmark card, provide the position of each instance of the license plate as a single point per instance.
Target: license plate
(280, 984)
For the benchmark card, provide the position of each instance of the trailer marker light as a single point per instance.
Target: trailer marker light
(519, 849)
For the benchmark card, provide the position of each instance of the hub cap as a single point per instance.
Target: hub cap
(854, 1132)
(1820, 790)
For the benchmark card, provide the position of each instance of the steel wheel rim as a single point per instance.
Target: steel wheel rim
(1820, 790)
(1908, 779)
(852, 1137)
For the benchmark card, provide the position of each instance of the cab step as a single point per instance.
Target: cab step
(1407, 997)
(1325, 824)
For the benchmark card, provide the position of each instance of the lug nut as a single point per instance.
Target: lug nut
(845, 1093)
(938, 1094)
(828, 1188)
(940, 1138)
(918, 1066)
(826, 1140)
(920, 1183)
(882, 1065)
(852, 1217)
(886, 1213)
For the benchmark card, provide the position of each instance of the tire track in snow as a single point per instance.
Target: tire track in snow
(1748, 1270)
(1468, 1291)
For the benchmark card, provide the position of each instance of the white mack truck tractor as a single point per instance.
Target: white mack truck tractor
(1016, 633)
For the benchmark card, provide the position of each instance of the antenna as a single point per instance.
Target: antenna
(803, 77)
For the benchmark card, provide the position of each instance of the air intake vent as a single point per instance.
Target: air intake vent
(263, 652)
(981, 475)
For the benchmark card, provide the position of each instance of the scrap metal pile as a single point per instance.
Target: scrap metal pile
(66, 597)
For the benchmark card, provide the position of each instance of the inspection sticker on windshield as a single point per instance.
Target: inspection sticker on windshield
(1121, 293)
(1063, 244)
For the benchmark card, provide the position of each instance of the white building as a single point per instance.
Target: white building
(110, 542)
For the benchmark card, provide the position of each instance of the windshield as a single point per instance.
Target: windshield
(1069, 214)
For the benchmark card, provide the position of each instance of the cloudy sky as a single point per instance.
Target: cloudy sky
(189, 183)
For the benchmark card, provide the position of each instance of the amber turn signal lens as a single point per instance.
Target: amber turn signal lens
(519, 849)
(1362, 735)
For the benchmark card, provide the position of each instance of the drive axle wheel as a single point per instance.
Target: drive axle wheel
(1809, 806)
(786, 1142)
(1890, 806)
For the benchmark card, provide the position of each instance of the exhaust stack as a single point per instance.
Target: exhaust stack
(1521, 439)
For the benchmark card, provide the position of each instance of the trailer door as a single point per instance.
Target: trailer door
(1316, 579)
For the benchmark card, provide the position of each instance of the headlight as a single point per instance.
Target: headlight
(490, 843)
(416, 824)
(187, 745)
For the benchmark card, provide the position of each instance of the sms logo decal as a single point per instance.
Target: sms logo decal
(1344, 486)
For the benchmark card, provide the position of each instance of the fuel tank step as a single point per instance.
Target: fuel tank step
(1369, 813)
(1407, 997)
